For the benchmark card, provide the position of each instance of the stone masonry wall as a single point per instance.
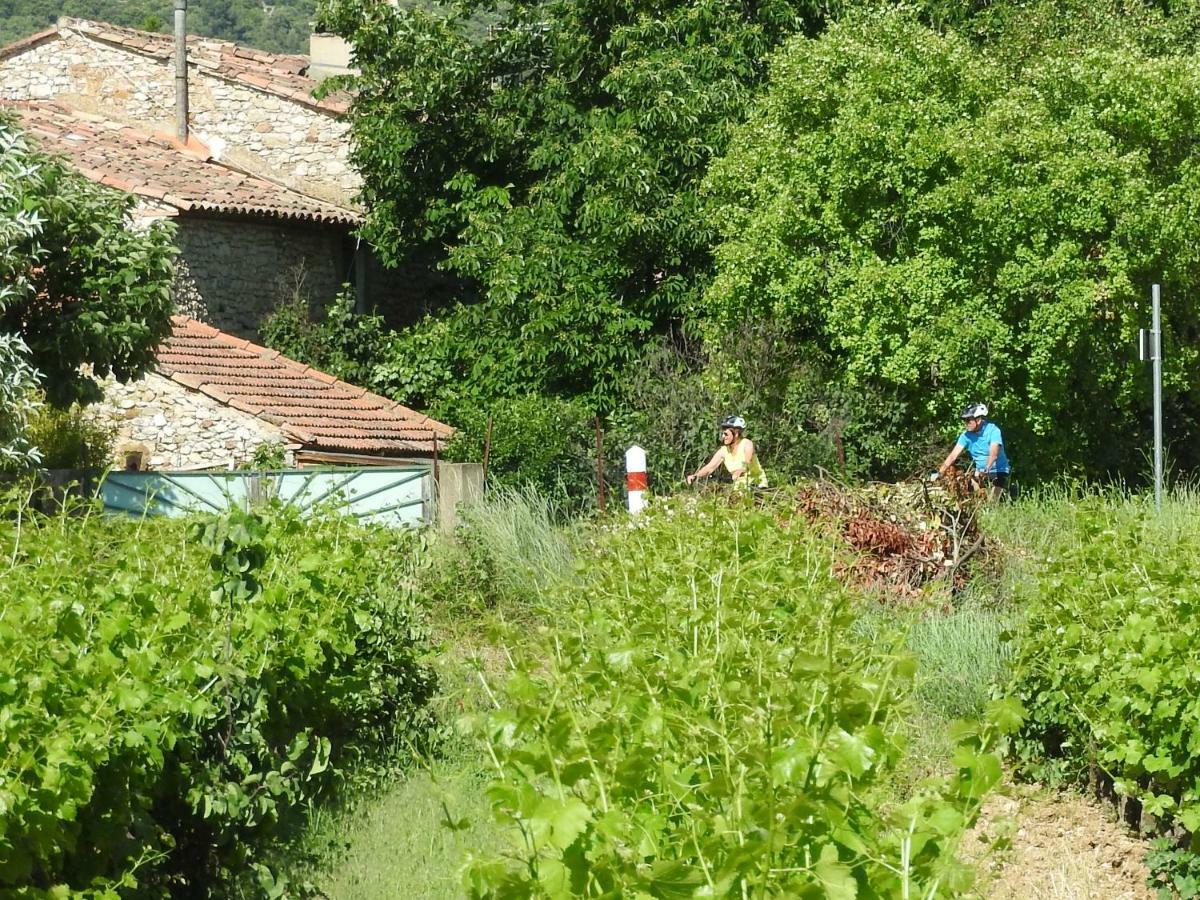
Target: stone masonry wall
(306, 148)
(176, 428)
(232, 273)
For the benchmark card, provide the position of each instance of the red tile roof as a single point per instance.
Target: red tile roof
(158, 167)
(275, 73)
(313, 408)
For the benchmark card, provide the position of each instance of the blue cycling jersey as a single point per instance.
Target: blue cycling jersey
(979, 442)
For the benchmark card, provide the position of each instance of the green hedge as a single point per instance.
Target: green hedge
(701, 718)
(1108, 659)
(171, 693)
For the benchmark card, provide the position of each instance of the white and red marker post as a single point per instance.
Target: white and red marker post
(635, 479)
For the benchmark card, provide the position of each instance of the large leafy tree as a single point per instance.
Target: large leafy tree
(88, 295)
(549, 171)
(941, 222)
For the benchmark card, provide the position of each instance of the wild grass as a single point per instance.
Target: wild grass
(961, 657)
(409, 841)
(481, 581)
(507, 550)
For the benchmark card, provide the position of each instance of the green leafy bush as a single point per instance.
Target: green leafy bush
(18, 402)
(339, 341)
(1175, 871)
(948, 223)
(87, 294)
(1107, 661)
(699, 719)
(544, 441)
(71, 439)
(173, 694)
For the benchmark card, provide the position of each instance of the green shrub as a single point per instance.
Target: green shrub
(1107, 661)
(1175, 871)
(174, 694)
(71, 439)
(800, 418)
(538, 440)
(339, 341)
(700, 720)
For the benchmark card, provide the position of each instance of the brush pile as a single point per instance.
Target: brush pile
(906, 535)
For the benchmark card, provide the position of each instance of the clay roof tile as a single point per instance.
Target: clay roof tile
(313, 407)
(109, 152)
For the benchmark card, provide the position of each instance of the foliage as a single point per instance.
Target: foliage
(700, 718)
(1106, 656)
(77, 284)
(556, 160)
(267, 455)
(18, 401)
(175, 694)
(71, 439)
(672, 397)
(943, 223)
(280, 27)
(1175, 871)
(537, 440)
(340, 342)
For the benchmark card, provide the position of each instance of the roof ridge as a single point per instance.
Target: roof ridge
(264, 70)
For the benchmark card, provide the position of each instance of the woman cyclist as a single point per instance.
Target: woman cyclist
(737, 455)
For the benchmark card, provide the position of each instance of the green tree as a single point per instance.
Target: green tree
(78, 285)
(945, 226)
(556, 160)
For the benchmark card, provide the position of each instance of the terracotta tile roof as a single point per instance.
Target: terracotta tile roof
(158, 167)
(311, 407)
(275, 73)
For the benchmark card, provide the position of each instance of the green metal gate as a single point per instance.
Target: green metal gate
(395, 496)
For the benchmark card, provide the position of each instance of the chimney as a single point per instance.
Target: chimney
(181, 72)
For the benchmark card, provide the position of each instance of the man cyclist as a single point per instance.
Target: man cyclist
(737, 454)
(982, 439)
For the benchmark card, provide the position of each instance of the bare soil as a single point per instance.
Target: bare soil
(1035, 844)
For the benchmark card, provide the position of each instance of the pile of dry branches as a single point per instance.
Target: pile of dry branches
(907, 535)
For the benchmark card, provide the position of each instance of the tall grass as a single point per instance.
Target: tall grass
(521, 531)
(961, 657)
(507, 550)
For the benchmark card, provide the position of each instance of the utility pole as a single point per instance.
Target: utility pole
(1150, 346)
(181, 72)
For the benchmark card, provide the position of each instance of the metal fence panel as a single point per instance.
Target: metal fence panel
(395, 496)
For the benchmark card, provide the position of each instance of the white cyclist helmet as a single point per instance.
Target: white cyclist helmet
(974, 411)
(733, 422)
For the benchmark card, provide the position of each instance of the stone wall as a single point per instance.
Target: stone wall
(232, 273)
(304, 147)
(176, 428)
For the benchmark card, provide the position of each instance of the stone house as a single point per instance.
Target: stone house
(214, 399)
(262, 191)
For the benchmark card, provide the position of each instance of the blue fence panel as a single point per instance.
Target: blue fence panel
(396, 496)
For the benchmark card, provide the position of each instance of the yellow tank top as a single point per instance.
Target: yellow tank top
(731, 458)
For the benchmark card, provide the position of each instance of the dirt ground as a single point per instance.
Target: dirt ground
(1063, 847)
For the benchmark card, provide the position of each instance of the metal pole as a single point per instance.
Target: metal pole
(487, 451)
(1156, 331)
(599, 465)
(181, 72)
